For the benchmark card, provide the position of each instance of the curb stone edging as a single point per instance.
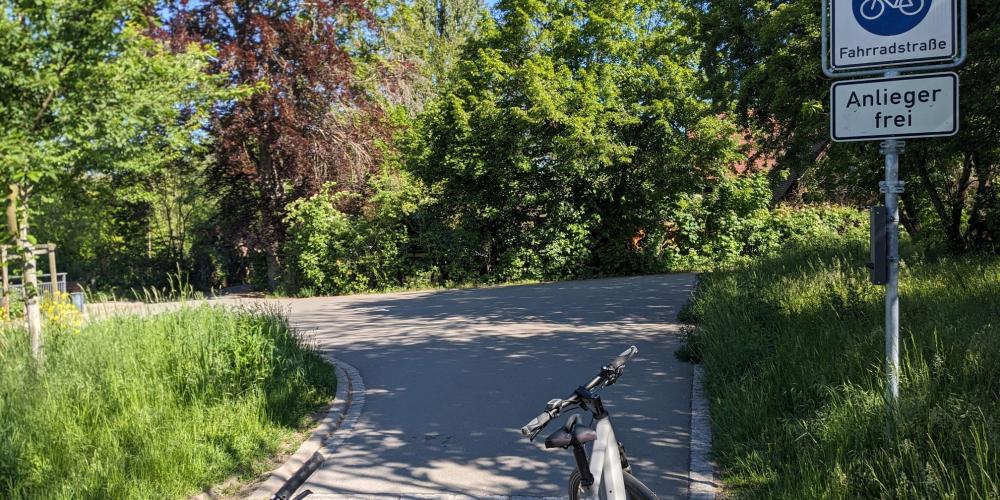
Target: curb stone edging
(335, 426)
(701, 474)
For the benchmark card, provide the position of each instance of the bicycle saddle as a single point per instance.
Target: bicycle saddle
(573, 433)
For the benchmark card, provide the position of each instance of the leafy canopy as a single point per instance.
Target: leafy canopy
(571, 126)
(81, 87)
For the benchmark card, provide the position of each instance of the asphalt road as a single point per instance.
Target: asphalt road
(452, 375)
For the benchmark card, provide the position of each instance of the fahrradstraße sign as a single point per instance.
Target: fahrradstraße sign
(884, 33)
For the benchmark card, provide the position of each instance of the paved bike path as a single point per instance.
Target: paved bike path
(452, 375)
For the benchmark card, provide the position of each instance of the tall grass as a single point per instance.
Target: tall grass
(793, 347)
(152, 407)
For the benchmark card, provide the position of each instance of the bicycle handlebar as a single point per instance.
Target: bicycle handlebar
(608, 375)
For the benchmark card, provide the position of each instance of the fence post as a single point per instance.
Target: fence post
(6, 284)
(53, 275)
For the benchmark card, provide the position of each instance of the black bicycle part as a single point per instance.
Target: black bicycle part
(574, 433)
(621, 453)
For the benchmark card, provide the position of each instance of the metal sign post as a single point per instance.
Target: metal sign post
(892, 188)
(862, 38)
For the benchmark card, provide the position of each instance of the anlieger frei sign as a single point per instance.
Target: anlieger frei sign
(896, 107)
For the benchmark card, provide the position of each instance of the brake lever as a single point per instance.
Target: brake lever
(553, 408)
(534, 434)
(611, 374)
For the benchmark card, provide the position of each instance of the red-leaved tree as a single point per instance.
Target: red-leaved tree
(307, 122)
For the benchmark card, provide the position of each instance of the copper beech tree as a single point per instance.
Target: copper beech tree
(311, 120)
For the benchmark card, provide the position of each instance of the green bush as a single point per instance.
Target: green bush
(734, 223)
(793, 345)
(403, 239)
(330, 251)
(152, 407)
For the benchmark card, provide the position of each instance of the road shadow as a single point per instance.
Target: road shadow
(452, 375)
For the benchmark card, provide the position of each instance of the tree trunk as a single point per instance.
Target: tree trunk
(958, 203)
(32, 310)
(272, 188)
(908, 218)
(952, 233)
(784, 188)
(273, 266)
(908, 213)
(978, 232)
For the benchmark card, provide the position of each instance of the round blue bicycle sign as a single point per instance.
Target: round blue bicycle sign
(890, 17)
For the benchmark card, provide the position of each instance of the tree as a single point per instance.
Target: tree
(125, 228)
(430, 35)
(310, 121)
(762, 62)
(571, 127)
(83, 93)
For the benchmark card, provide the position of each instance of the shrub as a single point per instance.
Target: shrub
(330, 251)
(402, 239)
(734, 224)
(59, 315)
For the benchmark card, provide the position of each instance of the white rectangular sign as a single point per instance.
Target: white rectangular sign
(878, 33)
(897, 107)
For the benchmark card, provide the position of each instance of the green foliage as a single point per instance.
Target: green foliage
(85, 91)
(330, 251)
(403, 239)
(570, 142)
(762, 64)
(428, 36)
(160, 406)
(569, 128)
(128, 230)
(792, 345)
(102, 127)
(734, 224)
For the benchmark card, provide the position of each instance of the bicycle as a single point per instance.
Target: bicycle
(874, 9)
(607, 470)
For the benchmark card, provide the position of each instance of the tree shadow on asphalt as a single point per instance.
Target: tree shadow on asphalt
(452, 375)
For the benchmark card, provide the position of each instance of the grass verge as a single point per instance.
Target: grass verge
(793, 348)
(153, 407)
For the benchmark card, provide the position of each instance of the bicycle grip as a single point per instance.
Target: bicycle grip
(624, 357)
(536, 424)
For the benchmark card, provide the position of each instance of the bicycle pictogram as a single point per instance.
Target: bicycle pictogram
(874, 9)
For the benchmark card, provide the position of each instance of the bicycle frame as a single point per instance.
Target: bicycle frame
(606, 465)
